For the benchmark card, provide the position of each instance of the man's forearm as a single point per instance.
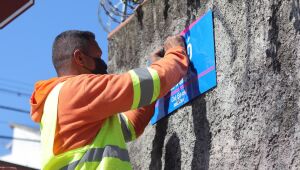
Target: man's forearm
(140, 118)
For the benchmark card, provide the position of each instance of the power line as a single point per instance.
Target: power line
(22, 139)
(16, 81)
(15, 86)
(15, 92)
(14, 109)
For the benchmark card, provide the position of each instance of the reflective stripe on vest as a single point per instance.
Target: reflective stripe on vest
(97, 154)
(107, 151)
(127, 128)
(146, 86)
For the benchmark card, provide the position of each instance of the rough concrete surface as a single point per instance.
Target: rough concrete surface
(251, 120)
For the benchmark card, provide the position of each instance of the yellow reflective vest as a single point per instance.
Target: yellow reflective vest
(107, 151)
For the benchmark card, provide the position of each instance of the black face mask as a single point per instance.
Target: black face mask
(101, 67)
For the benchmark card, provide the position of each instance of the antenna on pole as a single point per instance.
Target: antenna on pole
(113, 12)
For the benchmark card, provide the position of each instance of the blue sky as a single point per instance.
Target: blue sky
(25, 46)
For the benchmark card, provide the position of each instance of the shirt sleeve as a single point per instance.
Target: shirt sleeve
(137, 120)
(153, 82)
(101, 96)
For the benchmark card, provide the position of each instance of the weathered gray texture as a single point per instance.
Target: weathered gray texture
(251, 120)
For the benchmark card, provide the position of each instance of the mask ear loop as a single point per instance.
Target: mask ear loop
(85, 67)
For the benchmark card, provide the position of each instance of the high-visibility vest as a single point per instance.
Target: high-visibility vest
(107, 151)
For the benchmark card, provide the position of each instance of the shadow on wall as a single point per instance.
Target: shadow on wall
(202, 133)
(200, 159)
(192, 5)
(200, 151)
(173, 153)
(158, 144)
(295, 15)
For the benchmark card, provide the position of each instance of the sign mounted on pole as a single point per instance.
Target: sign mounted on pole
(10, 9)
(201, 76)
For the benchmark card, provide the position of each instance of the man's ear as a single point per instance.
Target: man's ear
(78, 57)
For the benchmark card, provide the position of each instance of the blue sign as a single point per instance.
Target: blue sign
(201, 76)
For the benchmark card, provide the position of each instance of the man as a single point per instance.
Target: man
(86, 115)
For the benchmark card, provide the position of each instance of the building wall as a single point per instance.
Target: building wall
(251, 120)
(10, 166)
(25, 153)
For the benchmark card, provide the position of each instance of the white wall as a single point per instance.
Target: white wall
(25, 153)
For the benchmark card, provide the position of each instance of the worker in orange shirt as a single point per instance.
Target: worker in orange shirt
(87, 115)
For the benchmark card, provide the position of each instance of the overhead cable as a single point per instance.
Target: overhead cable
(16, 82)
(14, 109)
(15, 92)
(15, 86)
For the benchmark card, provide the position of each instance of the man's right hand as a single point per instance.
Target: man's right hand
(156, 55)
(174, 41)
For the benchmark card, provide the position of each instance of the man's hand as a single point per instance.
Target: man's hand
(171, 42)
(156, 55)
(174, 41)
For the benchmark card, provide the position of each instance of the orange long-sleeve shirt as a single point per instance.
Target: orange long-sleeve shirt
(86, 100)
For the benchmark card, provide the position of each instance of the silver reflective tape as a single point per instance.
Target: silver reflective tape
(97, 154)
(125, 129)
(146, 84)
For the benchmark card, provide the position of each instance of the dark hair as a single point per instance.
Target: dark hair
(66, 43)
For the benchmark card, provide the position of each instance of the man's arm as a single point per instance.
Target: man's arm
(133, 122)
(104, 95)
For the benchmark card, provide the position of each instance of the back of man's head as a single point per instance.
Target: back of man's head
(64, 46)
